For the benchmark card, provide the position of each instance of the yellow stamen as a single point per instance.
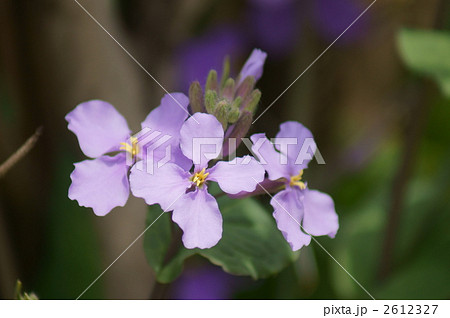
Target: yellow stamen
(199, 178)
(295, 181)
(132, 149)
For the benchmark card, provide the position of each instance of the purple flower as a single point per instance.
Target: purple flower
(186, 193)
(102, 183)
(253, 66)
(295, 205)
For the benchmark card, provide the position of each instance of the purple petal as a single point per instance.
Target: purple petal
(179, 159)
(273, 162)
(262, 188)
(239, 174)
(99, 127)
(302, 151)
(201, 139)
(165, 122)
(198, 215)
(169, 116)
(158, 149)
(254, 65)
(100, 184)
(320, 216)
(164, 186)
(288, 214)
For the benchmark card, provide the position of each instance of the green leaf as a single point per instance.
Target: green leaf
(251, 244)
(174, 267)
(427, 53)
(157, 237)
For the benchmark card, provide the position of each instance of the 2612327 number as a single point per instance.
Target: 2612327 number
(410, 309)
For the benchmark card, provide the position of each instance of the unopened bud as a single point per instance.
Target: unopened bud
(233, 114)
(237, 102)
(225, 70)
(210, 101)
(246, 87)
(221, 112)
(211, 82)
(251, 102)
(228, 89)
(196, 98)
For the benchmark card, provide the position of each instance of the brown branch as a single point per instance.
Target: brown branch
(20, 153)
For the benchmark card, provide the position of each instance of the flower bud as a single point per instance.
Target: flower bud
(233, 114)
(228, 89)
(246, 87)
(196, 98)
(211, 82)
(252, 100)
(237, 102)
(221, 112)
(225, 70)
(210, 101)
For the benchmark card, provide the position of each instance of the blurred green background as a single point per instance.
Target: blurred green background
(378, 104)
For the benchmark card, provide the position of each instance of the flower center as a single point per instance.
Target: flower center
(295, 181)
(199, 178)
(132, 148)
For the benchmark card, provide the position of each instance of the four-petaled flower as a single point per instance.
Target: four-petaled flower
(185, 192)
(102, 183)
(296, 207)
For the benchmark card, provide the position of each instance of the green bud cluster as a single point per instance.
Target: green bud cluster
(228, 99)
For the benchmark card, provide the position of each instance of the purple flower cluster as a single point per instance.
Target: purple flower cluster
(214, 114)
